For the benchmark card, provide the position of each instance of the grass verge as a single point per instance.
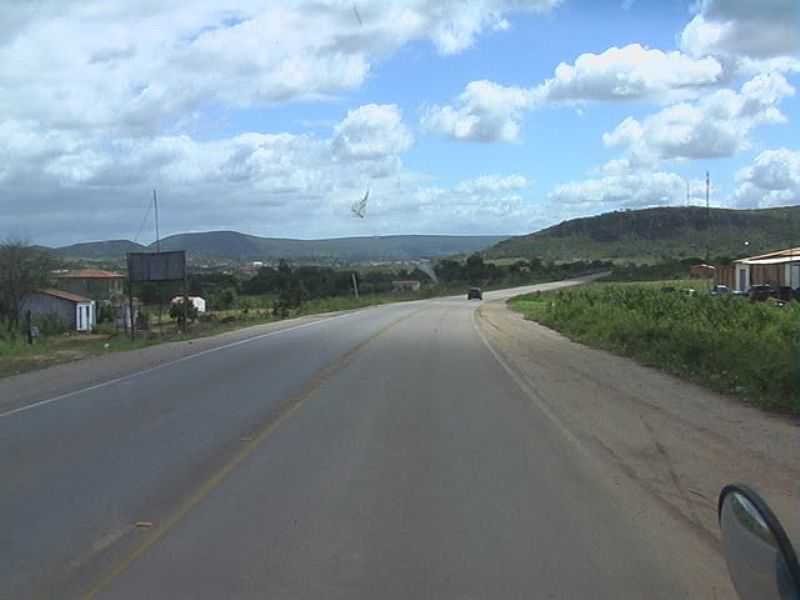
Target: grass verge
(16, 356)
(725, 343)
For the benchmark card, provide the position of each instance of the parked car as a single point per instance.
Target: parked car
(474, 293)
(720, 290)
(760, 292)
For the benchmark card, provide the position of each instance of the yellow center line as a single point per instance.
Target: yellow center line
(289, 408)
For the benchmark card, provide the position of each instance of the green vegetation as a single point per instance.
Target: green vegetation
(648, 235)
(658, 271)
(55, 346)
(273, 293)
(492, 275)
(726, 343)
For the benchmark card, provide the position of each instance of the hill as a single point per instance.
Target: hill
(652, 233)
(232, 245)
(100, 250)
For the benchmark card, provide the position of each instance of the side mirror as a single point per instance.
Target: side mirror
(761, 560)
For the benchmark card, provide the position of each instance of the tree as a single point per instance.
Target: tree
(475, 268)
(23, 269)
(176, 311)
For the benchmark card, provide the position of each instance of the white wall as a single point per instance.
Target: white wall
(739, 269)
(85, 316)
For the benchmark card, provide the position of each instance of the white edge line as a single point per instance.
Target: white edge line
(103, 384)
(525, 387)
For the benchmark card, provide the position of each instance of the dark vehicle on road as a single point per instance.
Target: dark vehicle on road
(761, 292)
(474, 293)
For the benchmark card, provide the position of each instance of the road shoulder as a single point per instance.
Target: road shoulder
(679, 442)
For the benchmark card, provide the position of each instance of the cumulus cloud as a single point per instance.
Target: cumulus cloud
(372, 131)
(100, 101)
(491, 202)
(743, 28)
(234, 178)
(490, 112)
(631, 72)
(716, 125)
(621, 188)
(772, 180)
(484, 112)
(115, 66)
(493, 184)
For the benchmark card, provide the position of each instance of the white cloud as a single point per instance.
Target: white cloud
(490, 112)
(372, 131)
(627, 73)
(490, 202)
(621, 188)
(716, 125)
(135, 68)
(757, 29)
(484, 112)
(493, 184)
(772, 180)
(101, 101)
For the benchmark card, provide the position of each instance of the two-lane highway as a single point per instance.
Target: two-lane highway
(383, 453)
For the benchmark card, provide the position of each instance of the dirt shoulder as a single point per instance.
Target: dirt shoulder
(679, 442)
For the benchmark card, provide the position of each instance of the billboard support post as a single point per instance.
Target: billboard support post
(158, 267)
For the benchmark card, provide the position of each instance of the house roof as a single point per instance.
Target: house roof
(64, 295)
(90, 274)
(793, 253)
(778, 260)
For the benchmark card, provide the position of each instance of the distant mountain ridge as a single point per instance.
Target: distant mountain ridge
(97, 250)
(653, 233)
(232, 245)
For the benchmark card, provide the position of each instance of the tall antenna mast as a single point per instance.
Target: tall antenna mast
(158, 236)
(708, 216)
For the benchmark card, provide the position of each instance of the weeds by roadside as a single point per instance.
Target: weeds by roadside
(57, 347)
(726, 343)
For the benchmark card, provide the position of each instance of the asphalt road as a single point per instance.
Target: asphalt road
(384, 453)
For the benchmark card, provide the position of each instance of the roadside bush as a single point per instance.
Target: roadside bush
(50, 325)
(176, 312)
(726, 342)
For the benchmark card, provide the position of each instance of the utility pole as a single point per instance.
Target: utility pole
(708, 217)
(158, 236)
(687, 192)
(355, 284)
(158, 251)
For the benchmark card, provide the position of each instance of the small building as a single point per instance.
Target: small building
(96, 284)
(198, 302)
(406, 285)
(702, 271)
(75, 312)
(778, 269)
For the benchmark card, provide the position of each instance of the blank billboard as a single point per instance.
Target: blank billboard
(163, 266)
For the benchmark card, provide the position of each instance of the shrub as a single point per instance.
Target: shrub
(729, 343)
(176, 311)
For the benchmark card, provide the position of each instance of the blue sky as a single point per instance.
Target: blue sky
(273, 119)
